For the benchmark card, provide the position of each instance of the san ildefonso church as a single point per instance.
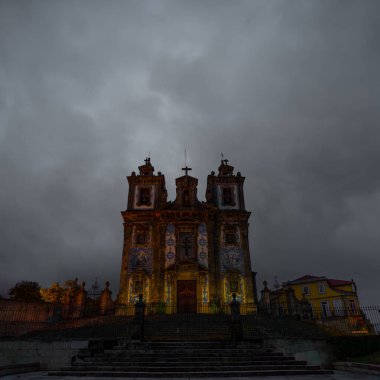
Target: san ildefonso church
(186, 253)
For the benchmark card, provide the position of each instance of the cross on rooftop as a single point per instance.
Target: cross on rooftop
(186, 169)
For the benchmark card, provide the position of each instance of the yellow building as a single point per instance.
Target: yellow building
(333, 302)
(328, 297)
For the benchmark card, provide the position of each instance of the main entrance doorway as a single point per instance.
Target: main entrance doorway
(186, 296)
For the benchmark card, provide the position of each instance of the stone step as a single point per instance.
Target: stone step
(185, 359)
(182, 358)
(197, 345)
(192, 368)
(189, 351)
(224, 359)
(139, 374)
(204, 352)
(174, 357)
(182, 363)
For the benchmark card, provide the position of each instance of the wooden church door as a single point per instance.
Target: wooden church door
(186, 296)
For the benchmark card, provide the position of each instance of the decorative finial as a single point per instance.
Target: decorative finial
(147, 160)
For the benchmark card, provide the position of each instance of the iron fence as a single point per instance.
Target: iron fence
(337, 321)
(212, 320)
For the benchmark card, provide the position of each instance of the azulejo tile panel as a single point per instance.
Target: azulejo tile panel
(202, 245)
(170, 245)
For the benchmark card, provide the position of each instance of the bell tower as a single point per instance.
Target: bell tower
(225, 192)
(146, 190)
(147, 193)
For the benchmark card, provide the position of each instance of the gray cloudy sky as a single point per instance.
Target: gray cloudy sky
(289, 91)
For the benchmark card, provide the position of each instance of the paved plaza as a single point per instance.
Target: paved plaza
(337, 375)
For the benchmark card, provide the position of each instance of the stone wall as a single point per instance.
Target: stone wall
(19, 311)
(314, 351)
(50, 355)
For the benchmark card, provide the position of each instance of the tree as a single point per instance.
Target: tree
(25, 291)
(58, 294)
(54, 294)
(72, 287)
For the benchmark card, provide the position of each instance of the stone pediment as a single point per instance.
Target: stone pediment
(186, 181)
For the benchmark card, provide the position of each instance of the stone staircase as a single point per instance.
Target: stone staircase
(185, 359)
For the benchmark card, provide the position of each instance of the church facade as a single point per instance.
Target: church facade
(186, 253)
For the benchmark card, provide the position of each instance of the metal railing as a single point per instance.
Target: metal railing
(337, 321)
(205, 320)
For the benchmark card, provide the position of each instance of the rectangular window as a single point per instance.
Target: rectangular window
(306, 290)
(141, 237)
(228, 196)
(325, 309)
(322, 288)
(230, 239)
(338, 308)
(230, 236)
(353, 307)
(144, 196)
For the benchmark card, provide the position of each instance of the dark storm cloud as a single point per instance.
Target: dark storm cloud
(289, 91)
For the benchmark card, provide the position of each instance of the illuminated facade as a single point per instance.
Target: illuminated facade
(186, 253)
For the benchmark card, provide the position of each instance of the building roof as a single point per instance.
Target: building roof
(333, 282)
(308, 278)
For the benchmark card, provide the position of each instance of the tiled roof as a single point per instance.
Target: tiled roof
(307, 278)
(333, 282)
